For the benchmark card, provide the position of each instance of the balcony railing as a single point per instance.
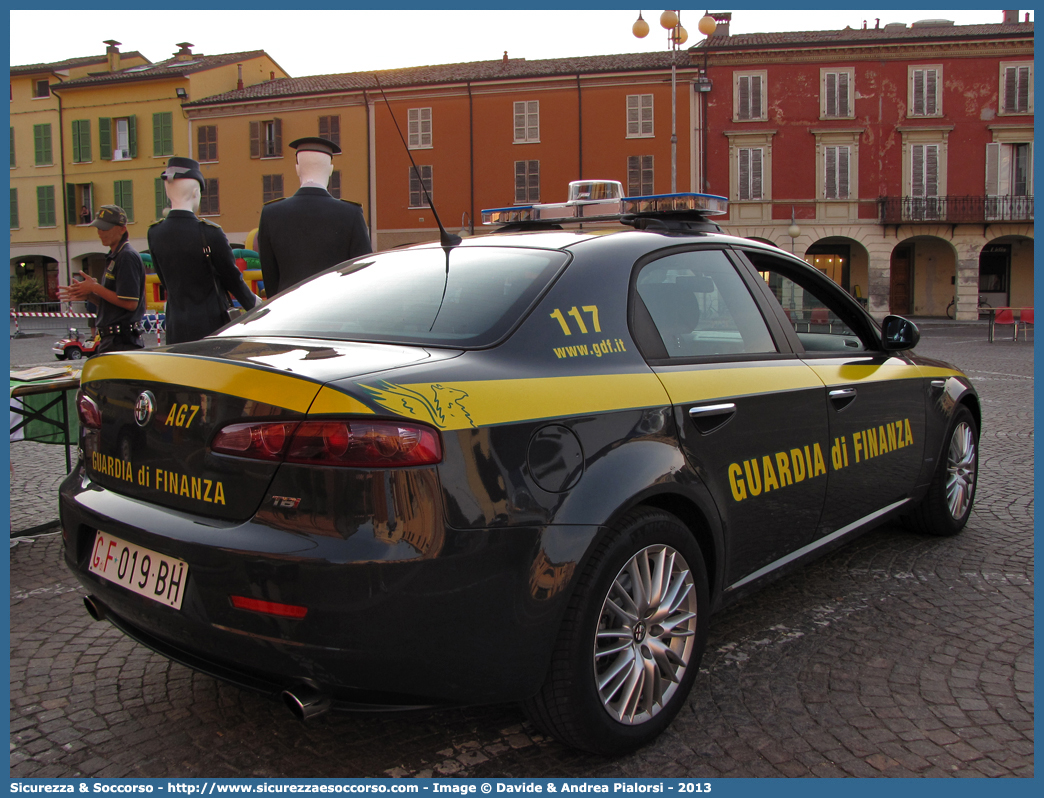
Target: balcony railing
(952, 210)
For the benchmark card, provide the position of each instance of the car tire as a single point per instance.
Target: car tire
(600, 657)
(946, 506)
(60, 357)
(73, 353)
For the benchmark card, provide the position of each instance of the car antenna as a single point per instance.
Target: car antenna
(446, 239)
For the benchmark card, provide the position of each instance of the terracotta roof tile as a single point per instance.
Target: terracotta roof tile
(163, 69)
(449, 73)
(883, 35)
(26, 69)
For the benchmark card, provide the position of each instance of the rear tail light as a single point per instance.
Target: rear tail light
(353, 443)
(87, 410)
(268, 607)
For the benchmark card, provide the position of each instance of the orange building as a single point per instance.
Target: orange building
(483, 134)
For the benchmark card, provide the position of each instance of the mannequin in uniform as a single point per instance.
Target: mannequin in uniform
(197, 290)
(304, 234)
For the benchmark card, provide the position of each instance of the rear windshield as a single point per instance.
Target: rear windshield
(469, 296)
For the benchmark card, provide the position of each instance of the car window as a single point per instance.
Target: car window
(467, 296)
(816, 320)
(701, 307)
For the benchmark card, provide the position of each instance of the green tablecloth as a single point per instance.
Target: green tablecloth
(44, 408)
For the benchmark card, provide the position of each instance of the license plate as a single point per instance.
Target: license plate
(143, 571)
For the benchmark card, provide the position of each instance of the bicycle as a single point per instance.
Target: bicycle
(951, 309)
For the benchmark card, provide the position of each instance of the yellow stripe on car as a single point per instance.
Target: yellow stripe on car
(259, 385)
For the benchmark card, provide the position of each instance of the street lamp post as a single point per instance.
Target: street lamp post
(676, 37)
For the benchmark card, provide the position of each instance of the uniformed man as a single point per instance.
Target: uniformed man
(301, 235)
(193, 260)
(120, 296)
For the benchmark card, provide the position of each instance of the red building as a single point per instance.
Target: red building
(903, 154)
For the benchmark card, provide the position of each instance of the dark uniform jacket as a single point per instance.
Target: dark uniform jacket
(301, 235)
(194, 307)
(124, 274)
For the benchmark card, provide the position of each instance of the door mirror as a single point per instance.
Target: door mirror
(898, 333)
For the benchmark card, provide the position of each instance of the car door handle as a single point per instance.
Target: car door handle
(708, 418)
(843, 397)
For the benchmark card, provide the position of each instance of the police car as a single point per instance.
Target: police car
(527, 467)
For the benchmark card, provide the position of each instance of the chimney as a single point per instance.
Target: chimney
(239, 83)
(1011, 17)
(113, 54)
(505, 57)
(722, 18)
(184, 52)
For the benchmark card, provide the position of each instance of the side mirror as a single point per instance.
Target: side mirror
(898, 333)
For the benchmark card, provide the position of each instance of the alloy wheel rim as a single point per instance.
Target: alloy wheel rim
(646, 633)
(960, 470)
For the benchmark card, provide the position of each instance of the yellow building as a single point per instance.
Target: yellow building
(118, 128)
(251, 129)
(38, 235)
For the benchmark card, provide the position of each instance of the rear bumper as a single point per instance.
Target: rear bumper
(468, 616)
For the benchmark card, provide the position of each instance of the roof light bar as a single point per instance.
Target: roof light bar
(603, 201)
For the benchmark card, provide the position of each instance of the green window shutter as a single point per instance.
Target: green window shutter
(72, 213)
(45, 206)
(105, 138)
(12, 148)
(14, 208)
(81, 135)
(163, 134)
(161, 198)
(123, 192)
(42, 143)
(132, 136)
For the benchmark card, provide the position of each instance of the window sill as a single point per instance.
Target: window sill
(77, 163)
(640, 135)
(271, 157)
(525, 141)
(421, 147)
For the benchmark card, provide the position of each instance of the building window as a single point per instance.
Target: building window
(271, 187)
(41, 88)
(751, 184)
(42, 144)
(527, 121)
(330, 129)
(527, 182)
(266, 139)
(14, 208)
(79, 203)
(924, 91)
(208, 198)
(835, 182)
(163, 133)
(639, 175)
(12, 149)
(417, 198)
(45, 206)
(836, 88)
(123, 195)
(162, 203)
(924, 181)
(81, 140)
(640, 116)
(1009, 181)
(419, 122)
(335, 184)
(749, 96)
(1016, 89)
(206, 139)
(118, 138)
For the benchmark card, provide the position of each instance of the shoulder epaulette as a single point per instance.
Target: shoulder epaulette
(356, 204)
(153, 224)
(212, 224)
(277, 199)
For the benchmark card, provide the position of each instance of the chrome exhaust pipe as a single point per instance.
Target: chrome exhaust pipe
(306, 702)
(94, 608)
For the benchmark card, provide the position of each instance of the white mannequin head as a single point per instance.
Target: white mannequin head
(183, 194)
(314, 167)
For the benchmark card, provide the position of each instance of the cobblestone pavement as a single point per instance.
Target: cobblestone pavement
(897, 655)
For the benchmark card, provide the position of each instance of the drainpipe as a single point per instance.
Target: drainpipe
(371, 169)
(65, 192)
(471, 158)
(580, 127)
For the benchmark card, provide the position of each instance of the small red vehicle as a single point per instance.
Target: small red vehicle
(74, 347)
